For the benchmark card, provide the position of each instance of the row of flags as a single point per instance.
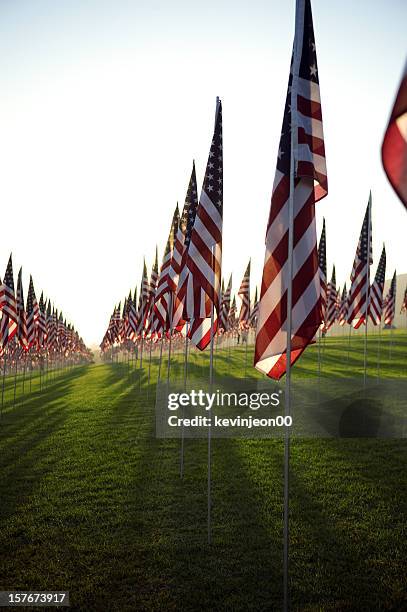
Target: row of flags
(187, 295)
(32, 326)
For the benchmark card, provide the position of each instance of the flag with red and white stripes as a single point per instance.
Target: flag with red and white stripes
(390, 302)
(151, 297)
(225, 306)
(360, 276)
(322, 272)
(8, 306)
(244, 293)
(306, 160)
(143, 303)
(332, 303)
(21, 314)
(404, 302)
(343, 307)
(33, 314)
(376, 291)
(394, 147)
(205, 250)
(254, 312)
(163, 303)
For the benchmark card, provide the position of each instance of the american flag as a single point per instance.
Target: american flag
(33, 313)
(394, 147)
(151, 297)
(303, 115)
(143, 302)
(322, 272)
(205, 249)
(133, 319)
(225, 306)
(390, 302)
(42, 322)
(332, 303)
(360, 275)
(21, 315)
(232, 315)
(254, 312)
(163, 307)
(343, 307)
(8, 325)
(376, 291)
(244, 293)
(404, 303)
(184, 297)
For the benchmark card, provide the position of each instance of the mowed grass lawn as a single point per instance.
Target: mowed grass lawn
(92, 502)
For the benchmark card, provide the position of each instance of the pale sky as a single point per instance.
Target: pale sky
(104, 104)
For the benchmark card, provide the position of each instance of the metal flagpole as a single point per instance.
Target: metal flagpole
(4, 377)
(367, 288)
(15, 380)
(378, 348)
(181, 465)
(161, 357)
(170, 340)
(350, 330)
(287, 408)
(210, 420)
(141, 357)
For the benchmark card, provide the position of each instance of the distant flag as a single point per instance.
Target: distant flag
(244, 293)
(42, 323)
(322, 271)
(332, 300)
(8, 325)
(152, 292)
(225, 306)
(254, 312)
(376, 291)
(343, 307)
(303, 113)
(360, 275)
(394, 147)
(133, 322)
(390, 303)
(164, 295)
(143, 302)
(404, 302)
(21, 314)
(232, 315)
(205, 249)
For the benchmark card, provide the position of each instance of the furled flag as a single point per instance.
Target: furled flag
(33, 313)
(360, 276)
(8, 325)
(343, 307)
(390, 303)
(21, 316)
(142, 309)
(255, 309)
(163, 303)
(394, 147)
(376, 291)
(42, 322)
(225, 306)
(404, 302)
(332, 301)
(306, 161)
(322, 272)
(244, 293)
(205, 249)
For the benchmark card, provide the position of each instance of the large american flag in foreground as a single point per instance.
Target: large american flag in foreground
(376, 291)
(303, 113)
(360, 276)
(394, 148)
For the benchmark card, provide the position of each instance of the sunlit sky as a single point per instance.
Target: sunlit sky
(104, 104)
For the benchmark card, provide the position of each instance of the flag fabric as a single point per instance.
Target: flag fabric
(33, 314)
(332, 303)
(8, 325)
(163, 306)
(151, 297)
(302, 115)
(390, 303)
(21, 314)
(343, 307)
(360, 276)
(225, 306)
(143, 302)
(322, 271)
(394, 147)
(42, 322)
(244, 293)
(253, 314)
(404, 302)
(205, 249)
(376, 291)
(232, 315)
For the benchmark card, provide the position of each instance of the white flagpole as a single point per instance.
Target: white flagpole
(210, 417)
(378, 348)
(181, 465)
(369, 217)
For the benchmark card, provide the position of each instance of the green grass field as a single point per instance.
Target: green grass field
(92, 502)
